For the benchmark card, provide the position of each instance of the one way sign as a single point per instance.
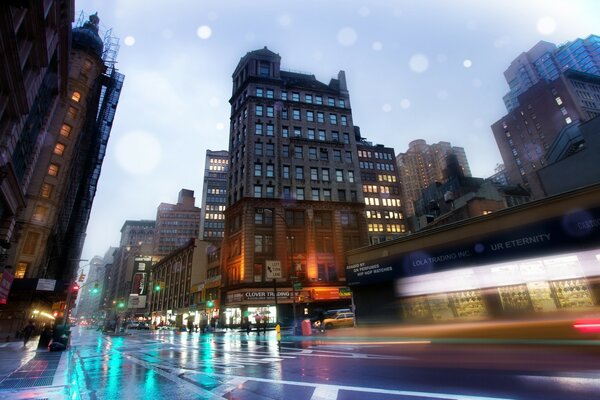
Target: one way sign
(273, 269)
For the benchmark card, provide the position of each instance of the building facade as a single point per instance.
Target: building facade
(31, 83)
(424, 164)
(384, 208)
(572, 159)
(59, 154)
(214, 196)
(137, 238)
(176, 224)
(179, 297)
(521, 262)
(525, 134)
(89, 299)
(295, 203)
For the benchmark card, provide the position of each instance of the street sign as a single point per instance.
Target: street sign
(297, 286)
(273, 269)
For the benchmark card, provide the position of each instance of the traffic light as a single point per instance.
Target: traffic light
(120, 304)
(210, 304)
(74, 292)
(157, 287)
(96, 288)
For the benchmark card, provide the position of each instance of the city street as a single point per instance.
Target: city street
(234, 365)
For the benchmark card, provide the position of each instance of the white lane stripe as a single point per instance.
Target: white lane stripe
(324, 392)
(321, 388)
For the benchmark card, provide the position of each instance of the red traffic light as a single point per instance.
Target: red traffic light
(76, 287)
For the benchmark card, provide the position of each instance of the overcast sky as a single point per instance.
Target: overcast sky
(423, 69)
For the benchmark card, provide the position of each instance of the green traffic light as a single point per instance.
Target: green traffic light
(121, 305)
(157, 288)
(210, 304)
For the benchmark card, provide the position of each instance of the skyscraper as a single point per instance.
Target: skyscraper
(176, 224)
(294, 193)
(214, 196)
(545, 62)
(380, 177)
(424, 164)
(525, 134)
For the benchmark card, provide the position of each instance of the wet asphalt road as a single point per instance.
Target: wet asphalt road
(234, 365)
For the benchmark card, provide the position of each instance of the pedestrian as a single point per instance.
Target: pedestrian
(248, 326)
(257, 321)
(45, 337)
(190, 325)
(321, 321)
(28, 331)
(264, 325)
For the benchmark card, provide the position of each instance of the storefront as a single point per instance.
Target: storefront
(261, 301)
(540, 257)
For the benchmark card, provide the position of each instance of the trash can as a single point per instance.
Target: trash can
(306, 328)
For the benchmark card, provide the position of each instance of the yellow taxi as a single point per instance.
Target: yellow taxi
(339, 320)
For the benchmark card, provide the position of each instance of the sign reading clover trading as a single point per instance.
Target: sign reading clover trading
(273, 269)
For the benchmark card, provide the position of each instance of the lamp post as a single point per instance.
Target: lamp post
(293, 277)
(73, 287)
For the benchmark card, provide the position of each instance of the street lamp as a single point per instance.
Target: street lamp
(293, 278)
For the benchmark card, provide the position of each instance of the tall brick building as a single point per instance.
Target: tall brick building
(295, 202)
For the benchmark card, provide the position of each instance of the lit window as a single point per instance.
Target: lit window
(59, 149)
(558, 101)
(40, 214)
(568, 120)
(76, 96)
(20, 270)
(46, 190)
(486, 212)
(65, 130)
(53, 170)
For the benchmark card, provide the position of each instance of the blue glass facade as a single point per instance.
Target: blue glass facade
(580, 55)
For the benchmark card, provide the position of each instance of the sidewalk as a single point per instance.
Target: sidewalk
(27, 372)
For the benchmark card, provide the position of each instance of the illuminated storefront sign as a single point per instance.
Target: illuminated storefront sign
(574, 231)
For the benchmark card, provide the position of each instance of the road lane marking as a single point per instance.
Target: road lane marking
(325, 392)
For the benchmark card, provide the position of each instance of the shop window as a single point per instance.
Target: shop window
(76, 96)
